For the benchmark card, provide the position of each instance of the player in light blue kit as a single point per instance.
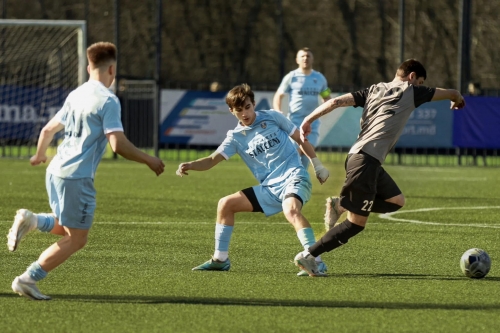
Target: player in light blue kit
(262, 139)
(305, 87)
(90, 118)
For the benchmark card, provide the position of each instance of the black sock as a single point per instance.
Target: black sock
(382, 206)
(335, 237)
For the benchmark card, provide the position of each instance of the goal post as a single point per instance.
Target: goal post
(41, 62)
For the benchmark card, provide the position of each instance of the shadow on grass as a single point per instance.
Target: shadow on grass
(138, 299)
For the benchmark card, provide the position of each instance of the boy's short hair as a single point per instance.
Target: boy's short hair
(411, 65)
(236, 97)
(101, 53)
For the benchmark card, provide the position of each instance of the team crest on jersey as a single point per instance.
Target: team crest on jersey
(263, 125)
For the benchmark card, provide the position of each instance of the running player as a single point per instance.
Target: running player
(368, 187)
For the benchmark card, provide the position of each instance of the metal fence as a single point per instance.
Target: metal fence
(139, 101)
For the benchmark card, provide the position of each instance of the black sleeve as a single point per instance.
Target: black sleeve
(360, 97)
(422, 94)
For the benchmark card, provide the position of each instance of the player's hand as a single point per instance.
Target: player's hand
(305, 130)
(459, 103)
(37, 159)
(181, 170)
(321, 172)
(156, 165)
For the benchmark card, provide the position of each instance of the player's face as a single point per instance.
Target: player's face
(304, 59)
(246, 114)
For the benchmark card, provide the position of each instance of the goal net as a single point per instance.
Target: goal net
(41, 61)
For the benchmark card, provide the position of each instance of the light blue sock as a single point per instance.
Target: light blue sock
(222, 238)
(306, 237)
(45, 222)
(305, 161)
(36, 272)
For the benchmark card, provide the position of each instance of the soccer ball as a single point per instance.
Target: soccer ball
(475, 263)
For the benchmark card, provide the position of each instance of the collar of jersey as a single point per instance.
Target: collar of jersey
(241, 127)
(96, 82)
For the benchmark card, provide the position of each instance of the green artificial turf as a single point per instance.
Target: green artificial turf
(134, 275)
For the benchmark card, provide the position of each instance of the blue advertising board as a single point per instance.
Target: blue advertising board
(429, 126)
(200, 117)
(24, 110)
(477, 125)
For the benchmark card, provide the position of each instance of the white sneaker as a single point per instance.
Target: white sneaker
(332, 213)
(308, 264)
(321, 267)
(24, 222)
(29, 290)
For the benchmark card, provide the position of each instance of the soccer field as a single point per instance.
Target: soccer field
(401, 274)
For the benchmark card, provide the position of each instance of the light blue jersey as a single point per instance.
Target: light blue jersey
(305, 92)
(266, 148)
(88, 114)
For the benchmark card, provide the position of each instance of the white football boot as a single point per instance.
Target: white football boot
(308, 264)
(332, 213)
(29, 290)
(24, 222)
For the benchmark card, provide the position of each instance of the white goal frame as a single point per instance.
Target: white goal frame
(18, 140)
(82, 38)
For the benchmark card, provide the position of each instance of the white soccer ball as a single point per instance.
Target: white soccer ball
(475, 263)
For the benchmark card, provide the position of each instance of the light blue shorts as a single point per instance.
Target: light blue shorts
(72, 200)
(271, 197)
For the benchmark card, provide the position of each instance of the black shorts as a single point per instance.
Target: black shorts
(365, 181)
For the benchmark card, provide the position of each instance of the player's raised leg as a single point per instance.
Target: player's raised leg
(26, 221)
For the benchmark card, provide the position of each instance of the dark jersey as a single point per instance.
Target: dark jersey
(387, 107)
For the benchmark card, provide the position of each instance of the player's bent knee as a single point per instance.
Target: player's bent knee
(79, 242)
(400, 201)
(227, 204)
(292, 213)
(397, 200)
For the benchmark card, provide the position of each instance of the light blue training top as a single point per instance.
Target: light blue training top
(305, 92)
(265, 147)
(89, 113)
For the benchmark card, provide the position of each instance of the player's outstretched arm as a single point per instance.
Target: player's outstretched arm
(46, 136)
(456, 98)
(123, 147)
(325, 108)
(201, 164)
(321, 172)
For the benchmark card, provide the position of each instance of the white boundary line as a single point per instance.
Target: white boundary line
(187, 222)
(389, 216)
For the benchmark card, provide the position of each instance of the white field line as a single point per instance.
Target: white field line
(390, 216)
(196, 222)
